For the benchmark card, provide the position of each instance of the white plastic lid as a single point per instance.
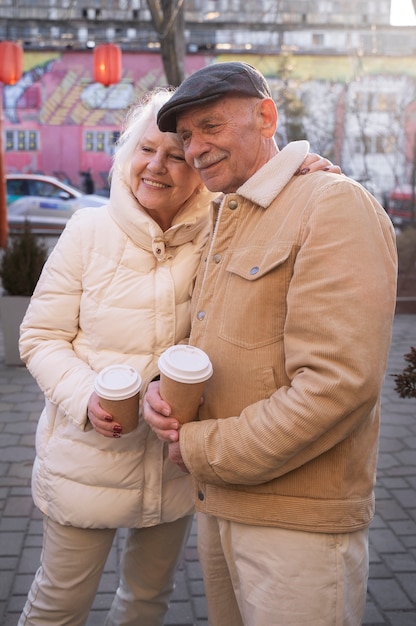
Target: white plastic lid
(117, 382)
(185, 364)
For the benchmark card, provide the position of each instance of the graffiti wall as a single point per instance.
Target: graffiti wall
(357, 110)
(57, 121)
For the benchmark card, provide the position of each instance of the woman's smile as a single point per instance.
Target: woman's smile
(155, 183)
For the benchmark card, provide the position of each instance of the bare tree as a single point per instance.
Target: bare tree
(168, 20)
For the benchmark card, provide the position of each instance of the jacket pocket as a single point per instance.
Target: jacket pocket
(253, 305)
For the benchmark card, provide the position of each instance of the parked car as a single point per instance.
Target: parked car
(46, 202)
(401, 206)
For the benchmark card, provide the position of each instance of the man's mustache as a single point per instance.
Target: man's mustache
(208, 159)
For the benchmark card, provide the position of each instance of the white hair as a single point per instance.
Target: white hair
(135, 124)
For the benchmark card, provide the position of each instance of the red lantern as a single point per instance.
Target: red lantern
(11, 70)
(107, 64)
(11, 62)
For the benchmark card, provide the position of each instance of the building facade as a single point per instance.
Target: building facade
(340, 74)
(310, 26)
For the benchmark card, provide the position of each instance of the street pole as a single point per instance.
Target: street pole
(413, 200)
(4, 231)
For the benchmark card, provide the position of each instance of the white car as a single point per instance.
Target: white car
(46, 202)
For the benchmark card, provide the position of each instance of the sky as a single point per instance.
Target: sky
(402, 13)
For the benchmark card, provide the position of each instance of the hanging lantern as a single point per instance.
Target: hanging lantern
(107, 64)
(11, 70)
(11, 62)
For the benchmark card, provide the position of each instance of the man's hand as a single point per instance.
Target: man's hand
(156, 413)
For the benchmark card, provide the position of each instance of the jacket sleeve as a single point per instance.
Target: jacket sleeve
(52, 322)
(340, 304)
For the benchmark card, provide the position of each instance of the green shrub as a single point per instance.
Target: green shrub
(22, 262)
(406, 381)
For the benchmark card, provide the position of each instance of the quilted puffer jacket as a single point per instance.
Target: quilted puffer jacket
(115, 289)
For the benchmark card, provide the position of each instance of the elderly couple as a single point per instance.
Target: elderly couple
(292, 279)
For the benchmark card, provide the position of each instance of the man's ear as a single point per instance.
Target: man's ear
(269, 116)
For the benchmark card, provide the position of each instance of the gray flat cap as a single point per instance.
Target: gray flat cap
(209, 84)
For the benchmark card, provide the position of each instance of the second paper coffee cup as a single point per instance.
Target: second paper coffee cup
(118, 387)
(183, 372)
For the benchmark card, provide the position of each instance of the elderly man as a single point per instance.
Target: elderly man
(293, 303)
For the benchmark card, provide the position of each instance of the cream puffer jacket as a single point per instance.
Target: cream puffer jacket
(115, 289)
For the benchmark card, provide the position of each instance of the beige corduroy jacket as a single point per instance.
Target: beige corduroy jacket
(294, 305)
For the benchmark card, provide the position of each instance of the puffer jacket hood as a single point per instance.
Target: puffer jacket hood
(144, 231)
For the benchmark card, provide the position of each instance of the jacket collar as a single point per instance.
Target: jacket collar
(137, 224)
(265, 184)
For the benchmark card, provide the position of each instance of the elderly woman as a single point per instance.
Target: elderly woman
(115, 290)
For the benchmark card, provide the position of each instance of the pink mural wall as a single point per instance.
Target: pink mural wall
(57, 121)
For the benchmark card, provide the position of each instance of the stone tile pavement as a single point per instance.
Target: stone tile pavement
(392, 584)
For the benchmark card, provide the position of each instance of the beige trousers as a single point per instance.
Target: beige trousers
(72, 562)
(256, 575)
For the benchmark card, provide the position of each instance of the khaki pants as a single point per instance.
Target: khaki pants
(72, 562)
(256, 575)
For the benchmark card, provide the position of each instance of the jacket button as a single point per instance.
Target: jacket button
(200, 495)
(233, 204)
(216, 258)
(254, 270)
(200, 315)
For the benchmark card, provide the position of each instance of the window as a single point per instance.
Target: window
(374, 101)
(386, 102)
(100, 141)
(386, 144)
(22, 140)
(317, 40)
(377, 144)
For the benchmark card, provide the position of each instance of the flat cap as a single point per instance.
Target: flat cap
(209, 84)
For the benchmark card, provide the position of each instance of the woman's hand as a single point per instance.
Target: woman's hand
(101, 420)
(156, 413)
(314, 163)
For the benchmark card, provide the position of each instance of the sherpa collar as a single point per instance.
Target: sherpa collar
(270, 179)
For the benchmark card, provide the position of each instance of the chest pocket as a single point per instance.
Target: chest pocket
(253, 304)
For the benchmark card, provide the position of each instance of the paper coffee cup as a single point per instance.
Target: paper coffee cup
(118, 388)
(183, 372)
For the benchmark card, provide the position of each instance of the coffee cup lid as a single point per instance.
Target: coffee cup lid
(117, 382)
(185, 364)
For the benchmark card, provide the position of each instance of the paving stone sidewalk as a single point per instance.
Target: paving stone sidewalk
(392, 584)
